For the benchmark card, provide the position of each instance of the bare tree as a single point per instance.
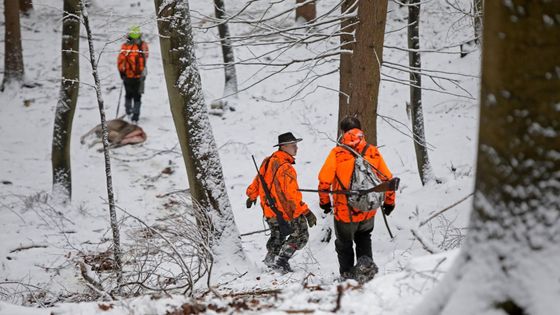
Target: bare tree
(366, 60)
(230, 85)
(478, 6)
(110, 195)
(415, 62)
(509, 261)
(13, 57)
(190, 115)
(306, 11)
(66, 105)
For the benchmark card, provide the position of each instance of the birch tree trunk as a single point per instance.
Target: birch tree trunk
(117, 254)
(13, 57)
(191, 120)
(365, 62)
(230, 84)
(415, 63)
(69, 87)
(509, 262)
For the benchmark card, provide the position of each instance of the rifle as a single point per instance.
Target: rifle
(285, 228)
(390, 185)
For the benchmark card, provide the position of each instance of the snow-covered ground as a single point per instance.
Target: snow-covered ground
(46, 273)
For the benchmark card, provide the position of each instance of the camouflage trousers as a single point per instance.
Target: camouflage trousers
(278, 246)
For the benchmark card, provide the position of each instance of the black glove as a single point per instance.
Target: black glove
(122, 75)
(250, 202)
(327, 208)
(387, 209)
(311, 218)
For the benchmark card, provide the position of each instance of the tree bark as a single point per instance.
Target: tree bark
(478, 6)
(362, 82)
(65, 108)
(509, 262)
(191, 120)
(415, 63)
(117, 253)
(230, 83)
(13, 58)
(306, 12)
(25, 6)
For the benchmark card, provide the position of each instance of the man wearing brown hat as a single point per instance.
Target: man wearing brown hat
(280, 179)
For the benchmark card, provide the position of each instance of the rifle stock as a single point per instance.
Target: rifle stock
(285, 228)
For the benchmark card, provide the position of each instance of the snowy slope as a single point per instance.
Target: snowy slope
(30, 217)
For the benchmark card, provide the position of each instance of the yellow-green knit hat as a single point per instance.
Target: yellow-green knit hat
(134, 32)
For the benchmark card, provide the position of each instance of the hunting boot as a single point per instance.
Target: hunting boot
(136, 111)
(365, 269)
(128, 106)
(269, 259)
(282, 264)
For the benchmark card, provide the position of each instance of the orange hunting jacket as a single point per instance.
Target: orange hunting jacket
(283, 187)
(340, 163)
(132, 58)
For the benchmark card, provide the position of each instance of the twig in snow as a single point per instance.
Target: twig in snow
(428, 246)
(21, 248)
(443, 210)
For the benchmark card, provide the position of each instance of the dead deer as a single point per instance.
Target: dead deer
(121, 133)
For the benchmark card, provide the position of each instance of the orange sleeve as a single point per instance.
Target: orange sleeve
(253, 189)
(326, 177)
(292, 199)
(121, 60)
(386, 175)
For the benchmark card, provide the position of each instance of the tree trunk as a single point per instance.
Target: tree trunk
(117, 254)
(347, 43)
(366, 60)
(13, 58)
(477, 20)
(230, 85)
(306, 12)
(415, 63)
(191, 120)
(25, 6)
(69, 87)
(509, 262)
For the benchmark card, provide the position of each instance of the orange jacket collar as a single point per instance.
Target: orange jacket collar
(283, 156)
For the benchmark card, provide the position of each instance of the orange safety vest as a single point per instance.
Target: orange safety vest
(281, 179)
(132, 59)
(338, 168)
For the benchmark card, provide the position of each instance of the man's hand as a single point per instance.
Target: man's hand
(387, 209)
(250, 202)
(311, 218)
(327, 208)
(122, 75)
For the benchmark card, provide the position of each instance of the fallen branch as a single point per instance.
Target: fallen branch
(443, 210)
(255, 232)
(428, 246)
(92, 283)
(21, 248)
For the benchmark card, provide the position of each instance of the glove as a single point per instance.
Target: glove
(387, 209)
(122, 75)
(250, 202)
(327, 208)
(311, 218)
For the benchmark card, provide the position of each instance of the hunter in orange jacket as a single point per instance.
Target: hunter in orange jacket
(338, 169)
(351, 226)
(281, 179)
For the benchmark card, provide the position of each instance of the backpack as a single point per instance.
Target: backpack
(363, 177)
(134, 59)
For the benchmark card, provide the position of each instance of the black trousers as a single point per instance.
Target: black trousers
(132, 87)
(346, 235)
